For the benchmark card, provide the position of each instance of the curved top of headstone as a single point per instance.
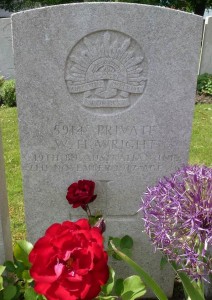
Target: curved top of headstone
(99, 5)
(106, 43)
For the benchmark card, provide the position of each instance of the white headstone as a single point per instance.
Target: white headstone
(105, 92)
(5, 236)
(6, 50)
(4, 13)
(206, 55)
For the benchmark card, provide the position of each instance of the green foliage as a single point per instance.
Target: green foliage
(107, 288)
(9, 126)
(125, 244)
(119, 286)
(15, 280)
(10, 292)
(2, 268)
(196, 6)
(201, 140)
(7, 93)
(1, 84)
(190, 286)
(30, 294)
(204, 84)
(14, 5)
(133, 288)
(2, 80)
(21, 252)
(146, 278)
(126, 289)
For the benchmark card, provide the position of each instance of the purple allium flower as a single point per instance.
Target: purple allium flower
(178, 218)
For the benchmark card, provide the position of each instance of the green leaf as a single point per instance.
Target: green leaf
(108, 287)
(22, 250)
(192, 292)
(8, 280)
(41, 297)
(10, 266)
(115, 256)
(126, 242)
(127, 251)
(1, 295)
(163, 262)
(133, 288)
(30, 294)
(2, 268)
(118, 286)
(120, 244)
(9, 292)
(1, 283)
(21, 267)
(26, 276)
(105, 298)
(116, 242)
(93, 220)
(149, 282)
(19, 292)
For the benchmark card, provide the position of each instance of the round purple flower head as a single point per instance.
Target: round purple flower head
(178, 218)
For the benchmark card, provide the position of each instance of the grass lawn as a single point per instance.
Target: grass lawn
(200, 153)
(9, 127)
(201, 140)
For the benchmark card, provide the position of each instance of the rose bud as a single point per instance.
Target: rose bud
(101, 225)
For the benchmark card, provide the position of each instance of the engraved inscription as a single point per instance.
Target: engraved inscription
(102, 148)
(109, 69)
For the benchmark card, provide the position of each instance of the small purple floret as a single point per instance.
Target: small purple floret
(177, 213)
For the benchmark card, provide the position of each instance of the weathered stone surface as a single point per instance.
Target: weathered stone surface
(4, 13)
(5, 236)
(6, 51)
(206, 55)
(105, 92)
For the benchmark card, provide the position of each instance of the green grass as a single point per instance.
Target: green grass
(200, 153)
(201, 140)
(9, 126)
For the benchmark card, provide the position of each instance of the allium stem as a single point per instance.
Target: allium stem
(146, 278)
(191, 288)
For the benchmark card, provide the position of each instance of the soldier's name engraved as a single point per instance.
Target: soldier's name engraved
(110, 144)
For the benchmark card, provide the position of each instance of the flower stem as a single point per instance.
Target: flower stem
(146, 278)
(191, 289)
(88, 210)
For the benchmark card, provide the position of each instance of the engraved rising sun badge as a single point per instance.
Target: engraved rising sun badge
(108, 68)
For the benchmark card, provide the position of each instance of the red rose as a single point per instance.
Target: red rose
(81, 193)
(69, 262)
